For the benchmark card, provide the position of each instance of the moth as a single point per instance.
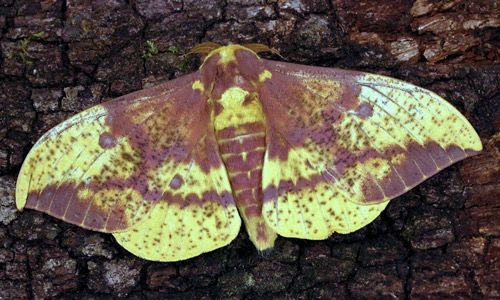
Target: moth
(293, 150)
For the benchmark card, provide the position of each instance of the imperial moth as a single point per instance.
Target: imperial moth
(293, 150)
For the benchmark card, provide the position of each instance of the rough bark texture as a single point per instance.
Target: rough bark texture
(439, 240)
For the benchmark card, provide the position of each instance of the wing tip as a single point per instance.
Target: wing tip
(472, 147)
(475, 150)
(474, 142)
(22, 187)
(477, 145)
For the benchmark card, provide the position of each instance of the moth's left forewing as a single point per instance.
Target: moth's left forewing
(341, 144)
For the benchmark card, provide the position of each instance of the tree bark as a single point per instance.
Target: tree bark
(441, 239)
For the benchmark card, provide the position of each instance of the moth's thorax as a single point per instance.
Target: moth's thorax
(230, 79)
(230, 66)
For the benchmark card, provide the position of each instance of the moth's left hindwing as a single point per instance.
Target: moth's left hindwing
(341, 144)
(144, 167)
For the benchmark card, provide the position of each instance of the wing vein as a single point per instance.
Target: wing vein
(416, 138)
(79, 179)
(345, 192)
(396, 141)
(69, 171)
(388, 161)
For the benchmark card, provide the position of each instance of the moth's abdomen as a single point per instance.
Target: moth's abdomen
(242, 151)
(242, 148)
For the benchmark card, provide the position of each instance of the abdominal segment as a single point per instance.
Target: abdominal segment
(243, 149)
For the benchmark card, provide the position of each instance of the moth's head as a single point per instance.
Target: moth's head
(227, 55)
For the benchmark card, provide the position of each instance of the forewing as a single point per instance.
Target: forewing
(342, 144)
(88, 169)
(113, 167)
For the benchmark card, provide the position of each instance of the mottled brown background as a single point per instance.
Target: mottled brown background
(439, 240)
